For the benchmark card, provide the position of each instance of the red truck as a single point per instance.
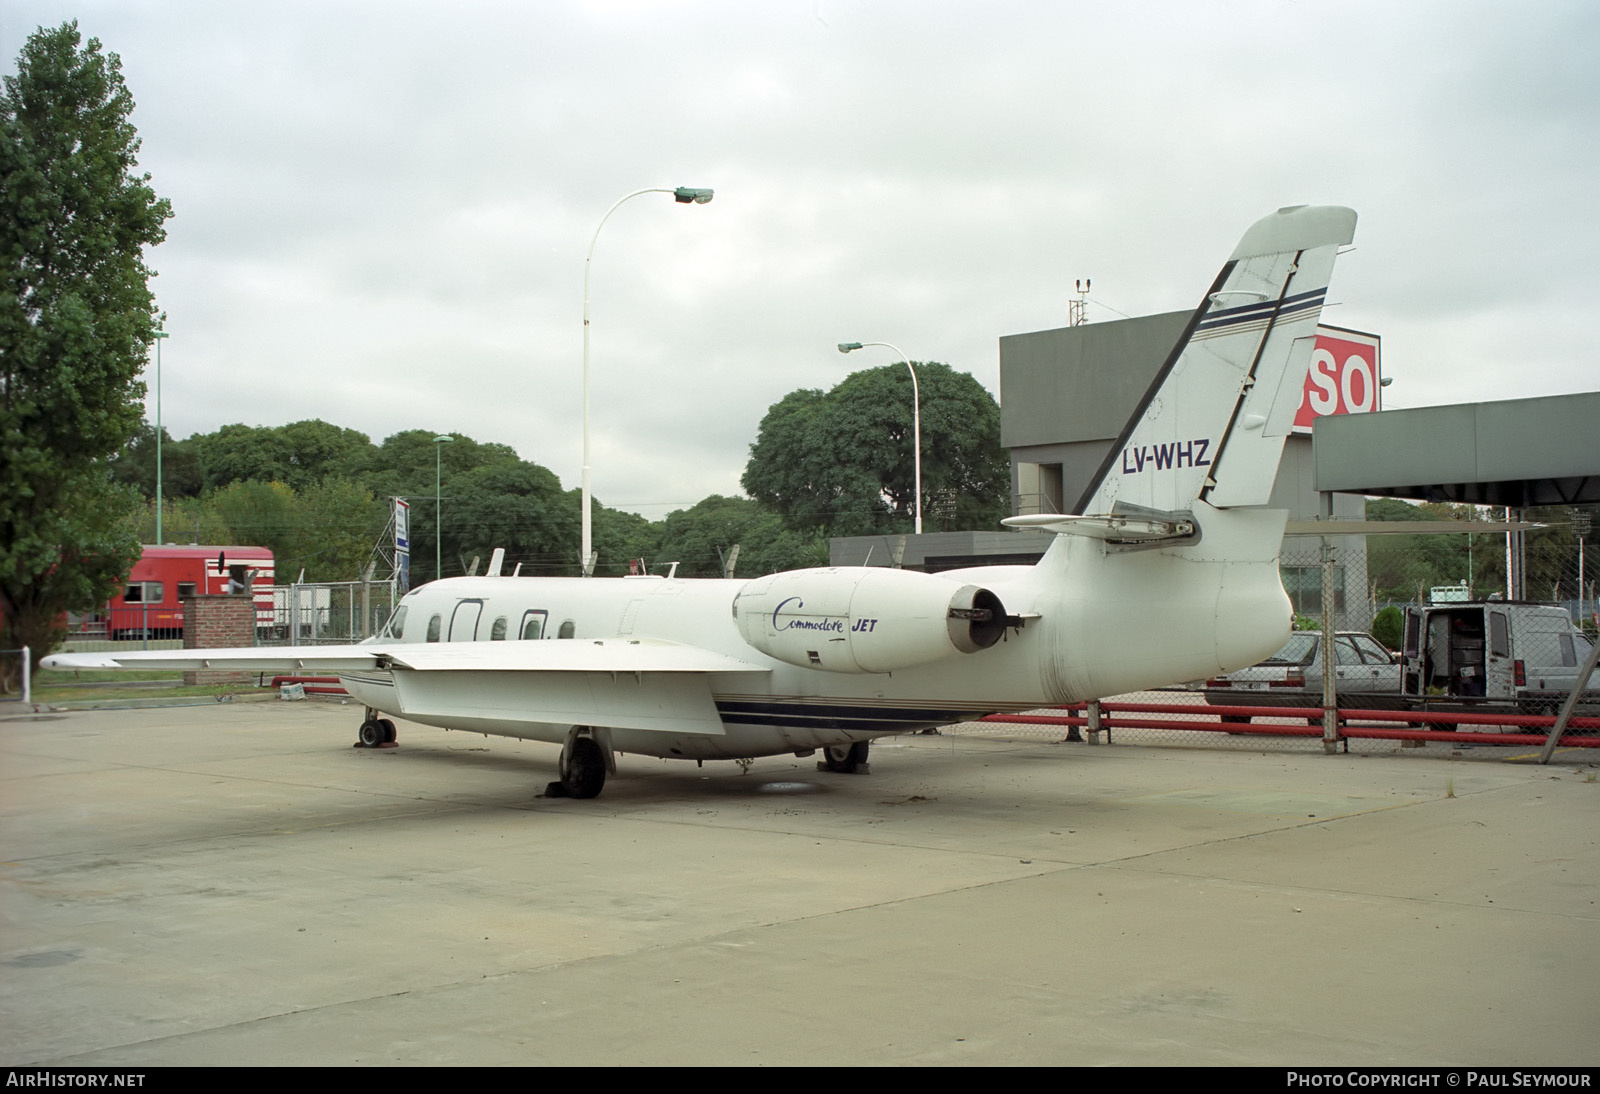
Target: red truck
(148, 606)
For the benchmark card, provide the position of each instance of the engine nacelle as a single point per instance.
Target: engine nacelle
(862, 619)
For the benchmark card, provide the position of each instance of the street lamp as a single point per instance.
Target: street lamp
(438, 509)
(683, 195)
(160, 334)
(916, 414)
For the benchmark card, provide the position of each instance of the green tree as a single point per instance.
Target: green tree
(297, 454)
(1401, 565)
(842, 462)
(76, 322)
(339, 522)
(700, 537)
(136, 465)
(262, 514)
(619, 537)
(520, 507)
(1388, 626)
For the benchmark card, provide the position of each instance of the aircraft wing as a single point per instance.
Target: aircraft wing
(288, 659)
(621, 682)
(607, 655)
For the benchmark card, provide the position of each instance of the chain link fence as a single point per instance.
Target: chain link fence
(332, 613)
(304, 614)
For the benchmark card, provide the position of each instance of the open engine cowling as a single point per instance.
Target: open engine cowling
(866, 620)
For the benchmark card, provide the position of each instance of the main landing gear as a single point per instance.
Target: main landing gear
(585, 759)
(376, 732)
(845, 759)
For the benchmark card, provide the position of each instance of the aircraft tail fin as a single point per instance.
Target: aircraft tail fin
(1211, 425)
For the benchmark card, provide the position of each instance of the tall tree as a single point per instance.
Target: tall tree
(76, 322)
(136, 465)
(700, 538)
(843, 463)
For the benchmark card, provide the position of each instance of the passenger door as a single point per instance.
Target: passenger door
(464, 621)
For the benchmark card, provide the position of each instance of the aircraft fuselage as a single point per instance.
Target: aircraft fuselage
(1089, 620)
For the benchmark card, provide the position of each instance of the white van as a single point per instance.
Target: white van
(1497, 653)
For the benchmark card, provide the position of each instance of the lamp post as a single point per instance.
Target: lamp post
(683, 195)
(160, 335)
(916, 415)
(438, 507)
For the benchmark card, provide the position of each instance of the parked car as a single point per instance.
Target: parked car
(1366, 676)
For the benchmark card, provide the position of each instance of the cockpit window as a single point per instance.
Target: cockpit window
(396, 627)
(433, 628)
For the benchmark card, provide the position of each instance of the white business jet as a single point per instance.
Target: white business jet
(1167, 572)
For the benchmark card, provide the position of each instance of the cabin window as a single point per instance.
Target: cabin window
(497, 632)
(433, 628)
(1569, 653)
(185, 588)
(533, 624)
(568, 629)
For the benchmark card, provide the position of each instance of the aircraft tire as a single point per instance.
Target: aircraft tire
(371, 734)
(390, 734)
(845, 759)
(586, 769)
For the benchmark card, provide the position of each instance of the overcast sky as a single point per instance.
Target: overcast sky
(382, 208)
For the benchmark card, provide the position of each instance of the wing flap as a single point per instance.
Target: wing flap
(603, 655)
(491, 701)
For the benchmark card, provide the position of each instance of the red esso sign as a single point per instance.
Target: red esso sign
(1343, 379)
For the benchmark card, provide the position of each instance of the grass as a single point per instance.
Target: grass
(54, 686)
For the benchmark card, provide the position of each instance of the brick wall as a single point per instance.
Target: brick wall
(218, 622)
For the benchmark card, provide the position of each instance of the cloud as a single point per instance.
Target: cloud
(383, 210)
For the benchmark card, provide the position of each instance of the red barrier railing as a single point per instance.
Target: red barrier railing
(314, 685)
(1199, 720)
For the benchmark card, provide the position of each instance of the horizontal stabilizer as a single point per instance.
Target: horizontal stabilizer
(1117, 529)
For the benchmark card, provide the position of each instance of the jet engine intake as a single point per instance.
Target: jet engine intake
(862, 619)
